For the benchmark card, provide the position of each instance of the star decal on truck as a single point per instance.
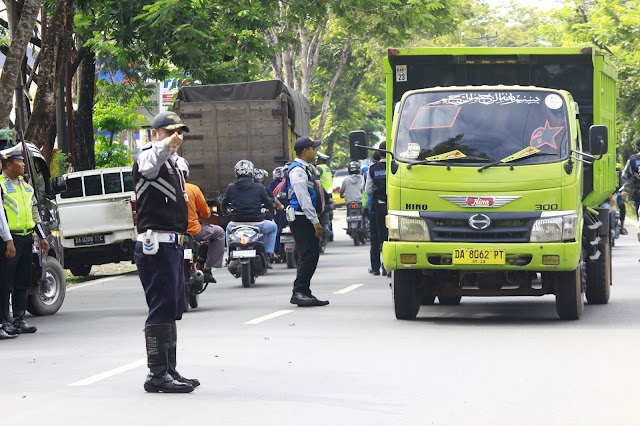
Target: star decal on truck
(545, 136)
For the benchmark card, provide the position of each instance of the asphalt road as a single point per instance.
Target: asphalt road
(489, 361)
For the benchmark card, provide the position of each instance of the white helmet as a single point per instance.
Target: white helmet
(183, 166)
(243, 168)
(278, 173)
(259, 175)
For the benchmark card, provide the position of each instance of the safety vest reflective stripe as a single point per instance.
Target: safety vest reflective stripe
(17, 201)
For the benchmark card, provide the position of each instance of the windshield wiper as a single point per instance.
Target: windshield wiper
(446, 160)
(520, 155)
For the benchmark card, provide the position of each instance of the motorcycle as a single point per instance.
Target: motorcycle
(247, 257)
(289, 247)
(356, 226)
(195, 280)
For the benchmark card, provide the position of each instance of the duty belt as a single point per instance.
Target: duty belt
(22, 233)
(165, 237)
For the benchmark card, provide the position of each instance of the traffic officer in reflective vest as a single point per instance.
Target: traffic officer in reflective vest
(161, 208)
(376, 186)
(326, 180)
(23, 218)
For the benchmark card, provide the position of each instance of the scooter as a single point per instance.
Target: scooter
(195, 280)
(356, 228)
(289, 246)
(247, 256)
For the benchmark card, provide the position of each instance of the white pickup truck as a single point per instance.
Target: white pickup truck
(97, 217)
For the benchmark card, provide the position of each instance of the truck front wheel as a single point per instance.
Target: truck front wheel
(599, 276)
(405, 294)
(50, 293)
(569, 298)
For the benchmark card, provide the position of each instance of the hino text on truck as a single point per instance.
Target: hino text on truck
(498, 160)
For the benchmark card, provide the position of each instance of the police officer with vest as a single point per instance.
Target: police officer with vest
(326, 179)
(7, 251)
(23, 219)
(376, 186)
(631, 176)
(161, 206)
(306, 228)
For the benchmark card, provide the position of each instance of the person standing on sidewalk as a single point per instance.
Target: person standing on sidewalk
(23, 219)
(7, 251)
(305, 226)
(161, 206)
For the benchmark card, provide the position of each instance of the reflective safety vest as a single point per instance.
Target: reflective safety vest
(326, 179)
(17, 201)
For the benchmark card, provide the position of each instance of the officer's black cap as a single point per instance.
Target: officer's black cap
(168, 120)
(304, 142)
(638, 143)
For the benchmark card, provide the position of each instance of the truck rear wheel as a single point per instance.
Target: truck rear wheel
(50, 293)
(80, 270)
(569, 298)
(599, 276)
(405, 294)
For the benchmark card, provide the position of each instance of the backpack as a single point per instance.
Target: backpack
(281, 191)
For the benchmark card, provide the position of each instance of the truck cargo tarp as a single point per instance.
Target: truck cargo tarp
(253, 91)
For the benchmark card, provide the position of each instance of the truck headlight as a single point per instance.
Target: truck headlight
(560, 228)
(407, 228)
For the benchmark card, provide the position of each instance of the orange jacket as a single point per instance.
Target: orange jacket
(197, 205)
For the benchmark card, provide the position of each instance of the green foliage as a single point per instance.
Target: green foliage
(111, 154)
(59, 163)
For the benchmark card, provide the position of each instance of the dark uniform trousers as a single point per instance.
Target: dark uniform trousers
(19, 274)
(381, 212)
(162, 277)
(374, 250)
(308, 246)
(4, 284)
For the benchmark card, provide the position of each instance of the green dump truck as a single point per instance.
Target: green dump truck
(499, 161)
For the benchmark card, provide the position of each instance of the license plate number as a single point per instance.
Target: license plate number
(242, 254)
(286, 239)
(87, 240)
(188, 253)
(478, 257)
(353, 218)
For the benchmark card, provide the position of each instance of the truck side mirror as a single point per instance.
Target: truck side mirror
(357, 140)
(598, 140)
(58, 184)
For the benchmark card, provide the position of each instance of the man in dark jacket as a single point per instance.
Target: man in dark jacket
(631, 176)
(245, 200)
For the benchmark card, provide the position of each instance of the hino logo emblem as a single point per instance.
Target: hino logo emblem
(479, 201)
(479, 221)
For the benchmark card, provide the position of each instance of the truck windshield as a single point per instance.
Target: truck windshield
(487, 125)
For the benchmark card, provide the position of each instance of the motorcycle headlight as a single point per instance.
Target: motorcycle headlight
(407, 228)
(560, 228)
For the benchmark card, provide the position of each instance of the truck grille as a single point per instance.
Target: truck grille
(502, 227)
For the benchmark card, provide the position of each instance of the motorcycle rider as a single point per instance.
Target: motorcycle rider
(352, 186)
(326, 180)
(244, 200)
(214, 234)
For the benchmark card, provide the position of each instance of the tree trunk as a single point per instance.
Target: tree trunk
(346, 50)
(84, 146)
(13, 62)
(55, 50)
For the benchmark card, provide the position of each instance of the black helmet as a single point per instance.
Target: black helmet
(354, 168)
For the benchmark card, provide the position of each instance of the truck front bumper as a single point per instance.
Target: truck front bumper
(560, 256)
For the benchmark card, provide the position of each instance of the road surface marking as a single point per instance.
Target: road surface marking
(98, 281)
(348, 289)
(91, 380)
(270, 316)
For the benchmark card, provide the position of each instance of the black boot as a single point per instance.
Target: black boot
(173, 348)
(158, 337)
(4, 335)
(19, 300)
